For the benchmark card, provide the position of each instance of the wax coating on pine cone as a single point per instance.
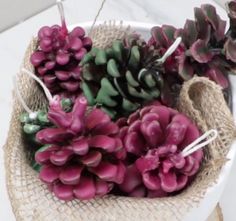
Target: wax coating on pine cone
(57, 57)
(205, 49)
(123, 77)
(154, 137)
(83, 156)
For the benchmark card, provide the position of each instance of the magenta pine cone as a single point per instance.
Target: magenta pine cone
(203, 51)
(57, 57)
(83, 156)
(154, 138)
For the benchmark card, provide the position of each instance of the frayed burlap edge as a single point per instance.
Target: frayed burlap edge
(200, 99)
(104, 34)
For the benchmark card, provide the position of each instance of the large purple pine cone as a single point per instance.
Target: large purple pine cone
(154, 137)
(57, 57)
(84, 154)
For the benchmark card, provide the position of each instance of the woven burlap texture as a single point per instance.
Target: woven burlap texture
(200, 99)
(104, 34)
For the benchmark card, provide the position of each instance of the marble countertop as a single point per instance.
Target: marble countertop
(13, 43)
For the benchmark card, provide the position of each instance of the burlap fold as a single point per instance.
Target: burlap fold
(200, 99)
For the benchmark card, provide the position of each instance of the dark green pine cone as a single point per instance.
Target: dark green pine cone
(32, 123)
(121, 78)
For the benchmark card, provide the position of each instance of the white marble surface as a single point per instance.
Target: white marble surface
(14, 42)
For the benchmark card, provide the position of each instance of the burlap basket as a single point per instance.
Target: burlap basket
(201, 99)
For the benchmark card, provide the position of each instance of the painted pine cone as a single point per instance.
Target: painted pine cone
(32, 123)
(57, 57)
(154, 137)
(83, 155)
(204, 50)
(121, 77)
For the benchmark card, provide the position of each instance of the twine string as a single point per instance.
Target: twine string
(45, 89)
(97, 15)
(198, 144)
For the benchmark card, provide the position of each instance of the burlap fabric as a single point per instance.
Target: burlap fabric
(200, 99)
(104, 34)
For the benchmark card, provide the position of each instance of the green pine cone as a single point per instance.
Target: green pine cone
(32, 123)
(121, 78)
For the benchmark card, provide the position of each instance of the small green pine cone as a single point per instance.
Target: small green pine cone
(32, 123)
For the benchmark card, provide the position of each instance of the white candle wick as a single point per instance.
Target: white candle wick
(170, 50)
(61, 11)
(45, 89)
(196, 145)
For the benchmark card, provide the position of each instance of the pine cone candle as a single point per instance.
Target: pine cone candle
(83, 156)
(57, 57)
(203, 50)
(121, 77)
(154, 138)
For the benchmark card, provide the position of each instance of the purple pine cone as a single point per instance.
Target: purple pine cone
(155, 136)
(84, 156)
(57, 57)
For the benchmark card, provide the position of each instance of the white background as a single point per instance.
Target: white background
(15, 11)
(14, 42)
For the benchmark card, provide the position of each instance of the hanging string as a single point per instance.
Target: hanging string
(20, 98)
(45, 89)
(169, 51)
(162, 60)
(96, 17)
(62, 14)
(61, 10)
(196, 145)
